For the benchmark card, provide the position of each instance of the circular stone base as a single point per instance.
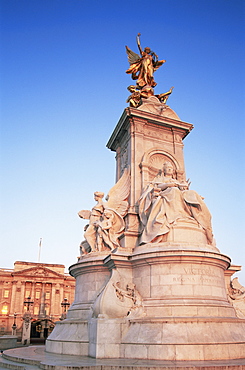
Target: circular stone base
(38, 357)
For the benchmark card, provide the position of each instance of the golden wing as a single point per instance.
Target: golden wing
(132, 56)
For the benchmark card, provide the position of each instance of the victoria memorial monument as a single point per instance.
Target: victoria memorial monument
(150, 281)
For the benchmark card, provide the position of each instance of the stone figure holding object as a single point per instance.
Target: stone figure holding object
(166, 201)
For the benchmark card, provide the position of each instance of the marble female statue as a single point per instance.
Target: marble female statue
(166, 201)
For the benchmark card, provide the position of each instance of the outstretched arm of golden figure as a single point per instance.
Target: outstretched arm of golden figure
(138, 43)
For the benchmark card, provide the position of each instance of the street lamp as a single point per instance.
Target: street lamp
(65, 304)
(28, 303)
(26, 329)
(14, 326)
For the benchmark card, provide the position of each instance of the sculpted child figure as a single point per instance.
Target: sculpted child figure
(109, 229)
(165, 201)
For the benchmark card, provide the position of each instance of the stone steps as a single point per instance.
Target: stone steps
(35, 357)
(11, 364)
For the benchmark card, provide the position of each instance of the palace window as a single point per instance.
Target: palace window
(36, 310)
(5, 309)
(38, 294)
(6, 294)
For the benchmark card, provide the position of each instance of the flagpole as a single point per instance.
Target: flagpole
(39, 252)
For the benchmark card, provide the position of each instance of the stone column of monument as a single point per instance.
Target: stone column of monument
(150, 281)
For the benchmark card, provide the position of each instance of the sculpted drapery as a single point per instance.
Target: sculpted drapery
(166, 201)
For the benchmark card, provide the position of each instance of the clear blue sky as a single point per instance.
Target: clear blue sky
(64, 87)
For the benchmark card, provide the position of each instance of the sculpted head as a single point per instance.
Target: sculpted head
(147, 50)
(108, 214)
(98, 195)
(168, 168)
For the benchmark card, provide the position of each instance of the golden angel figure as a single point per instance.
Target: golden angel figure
(143, 67)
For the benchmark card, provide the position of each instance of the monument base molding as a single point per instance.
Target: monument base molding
(38, 358)
(188, 339)
(185, 339)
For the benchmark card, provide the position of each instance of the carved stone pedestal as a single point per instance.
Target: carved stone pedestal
(164, 301)
(187, 313)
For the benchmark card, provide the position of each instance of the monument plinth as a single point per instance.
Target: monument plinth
(150, 281)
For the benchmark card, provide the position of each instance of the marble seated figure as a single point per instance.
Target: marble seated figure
(165, 201)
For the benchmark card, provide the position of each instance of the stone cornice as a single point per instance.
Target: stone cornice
(132, 115)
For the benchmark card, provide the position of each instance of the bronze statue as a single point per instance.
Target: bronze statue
(142, 67)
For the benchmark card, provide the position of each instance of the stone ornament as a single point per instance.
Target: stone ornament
(131, 293)
(118, 299)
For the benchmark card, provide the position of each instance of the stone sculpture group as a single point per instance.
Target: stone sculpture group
(163, 203)
(106, 222)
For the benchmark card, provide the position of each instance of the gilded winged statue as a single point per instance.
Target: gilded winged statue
(106, 221)
(143, 66)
